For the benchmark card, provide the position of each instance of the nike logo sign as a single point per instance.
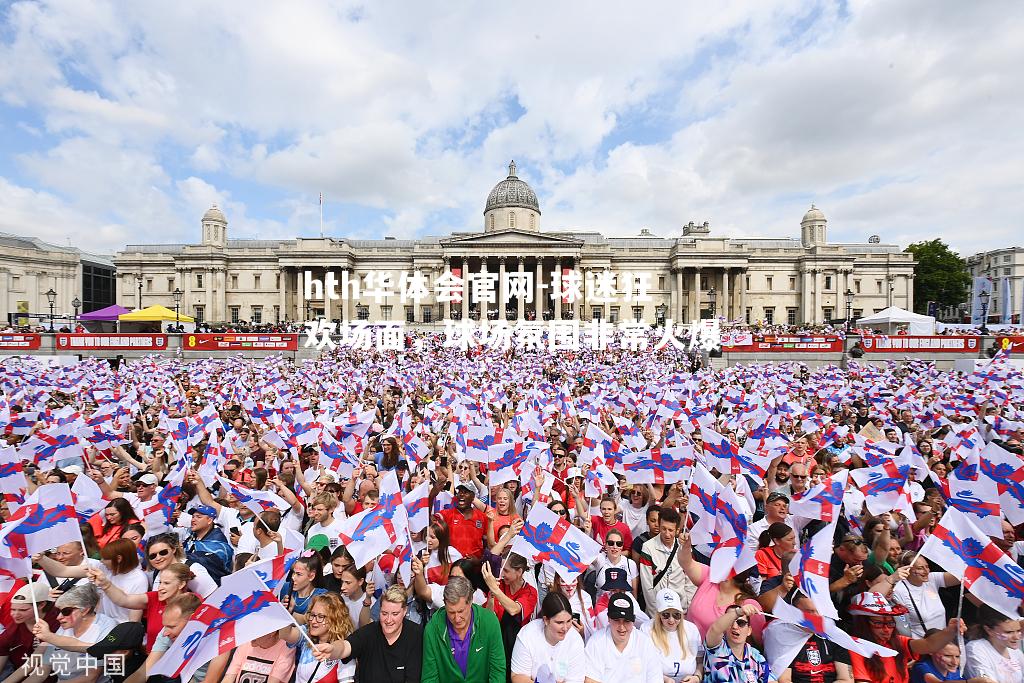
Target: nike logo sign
(478, 649)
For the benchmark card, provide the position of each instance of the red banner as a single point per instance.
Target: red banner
(1012, 344)
(788, 344)
(20, 342)
(240, 342)
(119, 342)
(930, 344)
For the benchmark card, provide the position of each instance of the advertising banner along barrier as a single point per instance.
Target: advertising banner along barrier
(240, 342)
(119, 342)
(784, 344)
(937, 343)
(20, 342)
(1011, 344)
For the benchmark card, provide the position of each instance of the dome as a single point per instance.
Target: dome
(214, 214)
(512, 192)
(813, 214)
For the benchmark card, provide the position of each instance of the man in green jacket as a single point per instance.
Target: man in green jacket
(462, 644)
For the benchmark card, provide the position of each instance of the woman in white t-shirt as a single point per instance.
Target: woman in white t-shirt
(919, 593)
(120, 564)
(549, 648)
(615, 556)
(634, 506)
(993, 649)
(677, 640)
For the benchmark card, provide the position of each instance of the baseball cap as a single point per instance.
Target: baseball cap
(573, 473)
(874, 605)
(777, 495)
(149, 479)
(203, 510)
(464, 484)
(668, 599)
(317, 542)
(615, 580)
(72, 469)
(41, 589)
(125, 636)
(621, 607)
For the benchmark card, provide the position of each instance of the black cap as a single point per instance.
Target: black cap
(124, 636)
(615, 580)
(620, 606)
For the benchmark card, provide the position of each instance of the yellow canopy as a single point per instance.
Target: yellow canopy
(153, 314)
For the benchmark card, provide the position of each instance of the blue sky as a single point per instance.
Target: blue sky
(122, 122)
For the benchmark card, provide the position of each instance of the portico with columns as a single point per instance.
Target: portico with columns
(772, 280)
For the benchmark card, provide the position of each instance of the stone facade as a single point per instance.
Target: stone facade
(30, 267)
(780, 280)
(1000, 265)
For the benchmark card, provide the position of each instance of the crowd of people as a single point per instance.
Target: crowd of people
(454, 602)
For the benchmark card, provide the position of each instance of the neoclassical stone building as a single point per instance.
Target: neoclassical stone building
(771, 279)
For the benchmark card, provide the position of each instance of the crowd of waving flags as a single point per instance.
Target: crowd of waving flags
(984, 488)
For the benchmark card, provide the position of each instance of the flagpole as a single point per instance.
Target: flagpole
(32, 594)
(959, 635)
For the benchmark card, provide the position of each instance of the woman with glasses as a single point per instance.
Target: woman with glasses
(874, 619)
(633, 507)
(994, 647)
(162, 551)
(329, 621)
(614, 555)
(712, 600)
(80, 626)
(173, 582)
(919, 594)
(676, 639)
(728, 657)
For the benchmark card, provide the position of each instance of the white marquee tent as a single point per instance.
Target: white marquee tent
(892, 319)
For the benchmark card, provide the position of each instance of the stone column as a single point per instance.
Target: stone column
(446, 306)
(465, 287)
(805, 296)
(502, 290)
(695, 296)
(676, 285)
(327, 298)
(726, 303)
(208, 309)
(282, 294)
(538, 289)
(557, 301)
(520, 300)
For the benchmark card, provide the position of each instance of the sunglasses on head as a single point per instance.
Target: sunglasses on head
(854, 541)
(614, 544)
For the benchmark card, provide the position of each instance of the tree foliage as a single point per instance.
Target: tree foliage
(940, 276)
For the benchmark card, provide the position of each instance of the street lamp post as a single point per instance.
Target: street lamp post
(138, 281)
(177, 305)
(51, 296)
(984, 311)
(849, 309)
(76, 303)
(712, 297)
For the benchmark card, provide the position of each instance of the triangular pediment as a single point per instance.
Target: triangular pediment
(511, 237)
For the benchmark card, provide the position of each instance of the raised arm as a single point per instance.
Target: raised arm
(116, 595)
(723, 623)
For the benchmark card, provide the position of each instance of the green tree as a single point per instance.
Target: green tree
(941, 275)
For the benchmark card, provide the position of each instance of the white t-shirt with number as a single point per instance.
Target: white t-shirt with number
(532, 651)
(673, 664)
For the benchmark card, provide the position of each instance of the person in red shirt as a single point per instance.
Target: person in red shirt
(608, 521)
(512, 599)
(466, 524)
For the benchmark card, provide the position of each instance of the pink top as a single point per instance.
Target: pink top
(703, 611)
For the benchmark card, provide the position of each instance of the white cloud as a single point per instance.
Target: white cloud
(896, 118)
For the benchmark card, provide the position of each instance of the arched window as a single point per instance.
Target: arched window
(511, 219)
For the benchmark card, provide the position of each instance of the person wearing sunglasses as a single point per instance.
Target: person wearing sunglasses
(162, 551)
(614, 556)
(727, 655)
(874, 620)
(80, 626)
(677, 639)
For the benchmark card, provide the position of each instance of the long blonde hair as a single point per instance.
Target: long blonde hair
(660, 636)
(339, 621)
